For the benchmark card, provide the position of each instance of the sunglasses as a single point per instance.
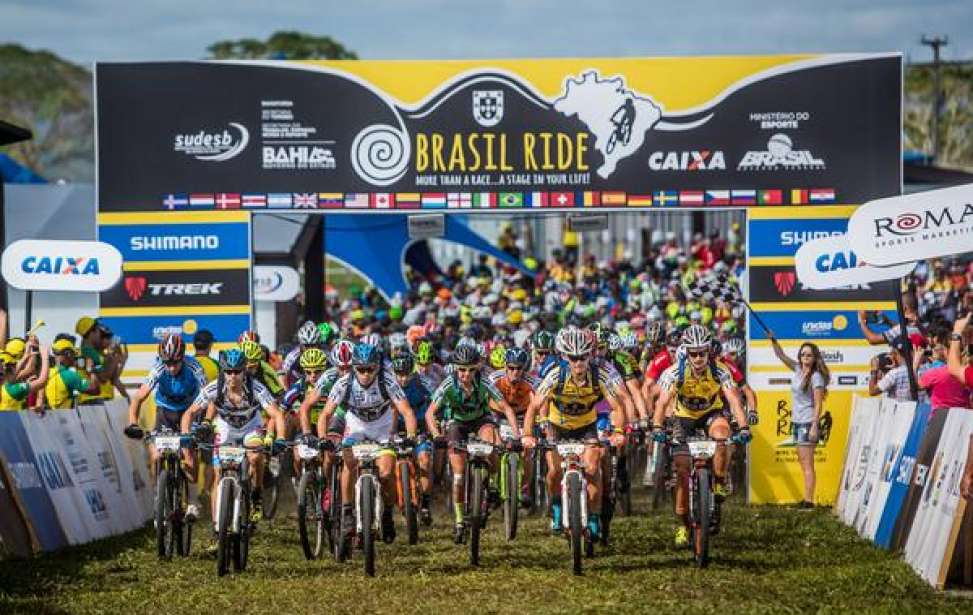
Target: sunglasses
(697, 353)
(311, 373)
(577, 358)
(515, 368)
(232, 372)
(171, 363)
(465, 370)
(365, 370)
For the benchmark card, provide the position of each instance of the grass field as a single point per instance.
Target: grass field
(767, 559)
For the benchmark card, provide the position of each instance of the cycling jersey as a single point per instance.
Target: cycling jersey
(13, 395)
(659, 363)
(433, 373)
(291, 366)
(419, 394)
(738, 378)
(456, 405)
(626, 365)
(367, 403)
(63, 385)
(176, 393)
(106, 389)
(572, 405)
(696, 395)
(298, 392)
(268, 377)
(256, 397)
(518, 393)
(210, 367)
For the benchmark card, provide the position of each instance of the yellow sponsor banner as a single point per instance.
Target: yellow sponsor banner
(775, 474)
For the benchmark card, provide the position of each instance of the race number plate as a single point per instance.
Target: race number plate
(572, 449)
(232, 454)
(702, 448)
(167, 443)
(306, 452)
(365, 451)
(506, 432)
(479, 449)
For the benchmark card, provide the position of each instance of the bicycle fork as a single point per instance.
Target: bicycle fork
(566, 501)
(237, 503)
(376, 518)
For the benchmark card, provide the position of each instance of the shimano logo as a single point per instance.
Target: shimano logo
(213, 147)
(780, 155)
(162, 243)
(796, 238)
(63, 265)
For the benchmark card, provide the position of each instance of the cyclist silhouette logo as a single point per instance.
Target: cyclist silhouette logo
(622, 119)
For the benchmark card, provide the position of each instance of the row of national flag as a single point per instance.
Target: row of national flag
(494, 200)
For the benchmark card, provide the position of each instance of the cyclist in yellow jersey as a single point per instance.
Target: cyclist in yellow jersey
(694, 384)
(202, 344)
(64, 382)
(14, 392)
(568, 394)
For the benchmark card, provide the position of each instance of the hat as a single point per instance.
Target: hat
(84, 325)
(15, 347)
(62, 346)
(6, 359)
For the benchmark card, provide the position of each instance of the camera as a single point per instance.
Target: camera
(884, 362)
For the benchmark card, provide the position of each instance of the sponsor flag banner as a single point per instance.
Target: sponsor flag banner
(582, 125)
(926, 467)
(717, 197)
(176, 201)
(226, 200)
(770, 197)
(510, 199)
(692, 198)
(382, 200)
(829, 262)
(913, 227)
(640, 200)
(895, 420)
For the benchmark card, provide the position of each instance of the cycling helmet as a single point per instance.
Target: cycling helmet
(397, 342)
(252, 351)
(715, 347)
(630, 341)
(325, 332)
(614, 342)
(342, 353)
(653, 333)
(403, 364)
(695, 337)
(497, 357)
(232, 359)
(308, 334)
(516, 357)
(575, 342)
(735, 345)
(465, 355)
(424, 353)
(365, 354)
(248, 335)
(313, 359)
(172, 348)
(543, 340)
(372, 339)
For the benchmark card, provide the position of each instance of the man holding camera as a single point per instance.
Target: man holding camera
(890, 373)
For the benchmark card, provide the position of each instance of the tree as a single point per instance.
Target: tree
(287, 45)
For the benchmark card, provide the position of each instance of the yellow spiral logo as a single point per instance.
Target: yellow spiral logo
(840, 322)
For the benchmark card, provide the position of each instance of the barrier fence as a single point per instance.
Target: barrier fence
(68, 477)
(900, 485)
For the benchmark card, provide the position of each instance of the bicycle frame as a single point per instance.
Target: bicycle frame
(572, 462)
(366, 453)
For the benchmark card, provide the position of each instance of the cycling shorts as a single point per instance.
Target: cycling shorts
(587, 434)
(686, 427)
(459, 431)
(249, 434)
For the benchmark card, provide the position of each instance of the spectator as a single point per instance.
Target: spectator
(65, 383)
(909, 309)
(15, 392)
(97, 367)
(890, 376)
(960, 369)
(202, 345)
(809, 387)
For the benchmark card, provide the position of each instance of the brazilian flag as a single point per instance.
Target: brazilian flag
(510, 199)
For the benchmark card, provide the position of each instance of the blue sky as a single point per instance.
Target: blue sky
(89, 30)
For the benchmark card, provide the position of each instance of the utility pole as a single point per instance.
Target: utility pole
(936, 43)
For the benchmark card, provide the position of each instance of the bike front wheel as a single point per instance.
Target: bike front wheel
(511, 503)
(574, 519)
(474, 511)
(224, 537)
(309, 517)
(702, 504)
(271, 489)
(366, 503)
(407, 491)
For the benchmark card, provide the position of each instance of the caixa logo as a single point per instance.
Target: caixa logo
(82, 266)
(213, 146)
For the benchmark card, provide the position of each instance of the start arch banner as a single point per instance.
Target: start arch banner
(506, 134)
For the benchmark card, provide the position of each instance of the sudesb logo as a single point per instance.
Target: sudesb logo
(64, 265)
(910, 222)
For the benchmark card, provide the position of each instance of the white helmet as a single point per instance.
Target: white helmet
(695, 337)
(398, 340)
(308, 333)
(735, 345)
(574, 342)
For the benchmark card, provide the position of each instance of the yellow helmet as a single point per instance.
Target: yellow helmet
(15, 347)
(313, 359)
(498, 358)
(519, 294)
(62, 345)
(252, 351)
(515, 317)
(6, 359)
(84, 324)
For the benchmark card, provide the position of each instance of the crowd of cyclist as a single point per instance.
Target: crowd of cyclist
(620, 354)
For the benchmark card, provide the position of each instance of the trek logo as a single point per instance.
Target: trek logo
(701, 160)
(784, 282)
(64, 265)
(135, 287)
(908, 223)
(796, 238)
(166, 243)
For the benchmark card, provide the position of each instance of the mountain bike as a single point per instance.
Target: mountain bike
(475, 500)
(407, 488)
(331, 504)
(271, 485)
(173, 530)
(538, 486)
(660, 467)
(511, 472)
(574, 499)
(610, 487)
(311, 515)
(233, 526)
(704, 507)
(368, 499)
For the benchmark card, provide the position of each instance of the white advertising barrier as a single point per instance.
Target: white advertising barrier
(863, 413)
(913, 227)
(936, 525)
(275, 283)
(856, 466)
(891, 431)
(829, 262)
(133, 460)
(78, 266)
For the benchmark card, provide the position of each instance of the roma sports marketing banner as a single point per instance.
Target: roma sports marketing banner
(492, 135)
(181, 272)
(796, 314)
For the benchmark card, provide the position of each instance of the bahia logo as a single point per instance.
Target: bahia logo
(82, 266)
(213, 147)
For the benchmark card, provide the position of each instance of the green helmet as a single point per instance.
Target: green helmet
(395, 312)
(424, 353)
(325, 332)
(252, 351)
(544, 340)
